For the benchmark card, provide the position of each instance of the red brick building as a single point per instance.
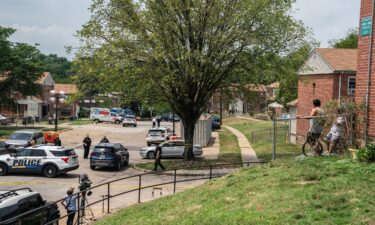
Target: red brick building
(327, 74)
(363, 83)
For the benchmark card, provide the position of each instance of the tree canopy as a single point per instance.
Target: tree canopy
(181, 51)
(19, 68)
(349, 41)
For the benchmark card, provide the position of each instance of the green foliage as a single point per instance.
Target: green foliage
(59, 67)
(19, 68)
(349, 41)
(367, 153)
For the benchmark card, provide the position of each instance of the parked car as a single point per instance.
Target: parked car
(45, 159)
(109, 155)
(158, 135)
(4, 120)
(18, 201)
(171, 148)
(25, 138)
(5, 148)
(215, 125)
(168, 117)
(216, 118)
(129, 120)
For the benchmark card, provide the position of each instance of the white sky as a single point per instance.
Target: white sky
(52, 23)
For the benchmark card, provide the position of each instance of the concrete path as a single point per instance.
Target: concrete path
(247, 152)
(212, 151)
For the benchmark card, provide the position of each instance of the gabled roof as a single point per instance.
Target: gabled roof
(330, 61)
(46, 79)
(67, 88)
(340, 59)
(293, 103)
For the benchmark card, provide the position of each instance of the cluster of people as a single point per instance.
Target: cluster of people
(156, 121)
(317, 121)
(87, 144)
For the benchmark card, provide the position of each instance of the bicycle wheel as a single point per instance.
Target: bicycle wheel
(315, 149)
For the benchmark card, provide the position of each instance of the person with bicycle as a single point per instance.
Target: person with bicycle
(317, 121)
(335, 132)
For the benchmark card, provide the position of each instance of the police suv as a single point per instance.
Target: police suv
(48, 160)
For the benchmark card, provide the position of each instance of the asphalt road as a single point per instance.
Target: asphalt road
(132, 138)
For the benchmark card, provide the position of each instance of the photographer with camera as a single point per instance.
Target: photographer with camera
(70, 204)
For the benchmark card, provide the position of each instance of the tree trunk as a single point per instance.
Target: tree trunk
(189, 127)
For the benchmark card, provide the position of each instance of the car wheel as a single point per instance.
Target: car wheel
(151, 155)
(50, 171)
(118, 166)
(3, 169)
(92, 167)
(123, 125)
(96, 121)
(135, 125)
(117, 122)
(127, 161)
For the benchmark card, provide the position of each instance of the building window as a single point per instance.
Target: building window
(351, 85)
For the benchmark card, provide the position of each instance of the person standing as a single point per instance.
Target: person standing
(158, 120)
(57, 141)
(86, 146)
(70, 204)
(153, 122)
(104, 140)
(158, 154)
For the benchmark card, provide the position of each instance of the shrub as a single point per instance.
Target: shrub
(367, 153)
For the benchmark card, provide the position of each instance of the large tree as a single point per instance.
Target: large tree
(349, 41)
(19, 68)
(182, 49)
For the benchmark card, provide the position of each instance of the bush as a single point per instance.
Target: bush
(367, 153)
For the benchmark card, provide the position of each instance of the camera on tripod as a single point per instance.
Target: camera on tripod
(85, 183)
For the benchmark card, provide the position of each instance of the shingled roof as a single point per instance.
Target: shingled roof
(339, 59)
(67, 88)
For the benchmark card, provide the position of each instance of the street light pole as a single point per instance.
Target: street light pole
(57, 97)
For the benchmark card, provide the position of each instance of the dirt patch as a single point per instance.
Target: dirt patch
(307, 182)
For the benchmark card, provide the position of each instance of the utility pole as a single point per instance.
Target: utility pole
(221, 106)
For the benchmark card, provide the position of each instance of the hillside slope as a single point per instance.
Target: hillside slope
(310, 191)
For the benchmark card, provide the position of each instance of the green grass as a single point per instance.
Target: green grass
(322, 190)
(80, 122)
(229, 152)
(263, 145)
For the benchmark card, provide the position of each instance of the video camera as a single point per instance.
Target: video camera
(84, 183)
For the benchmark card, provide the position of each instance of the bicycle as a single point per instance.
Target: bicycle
(312, 146)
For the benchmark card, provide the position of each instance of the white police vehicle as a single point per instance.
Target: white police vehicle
(48, 160)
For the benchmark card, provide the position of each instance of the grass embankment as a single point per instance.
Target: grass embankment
(263, 145)
(81, 122)
(229, 152)
(322, 190)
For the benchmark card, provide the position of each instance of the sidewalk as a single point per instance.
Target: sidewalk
(212, 151)
(247, 152)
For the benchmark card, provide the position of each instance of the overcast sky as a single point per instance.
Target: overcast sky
(52, 23)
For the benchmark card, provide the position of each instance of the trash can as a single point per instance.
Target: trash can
(29, 119)
(24, 121)
(36, 119)
(50, 121)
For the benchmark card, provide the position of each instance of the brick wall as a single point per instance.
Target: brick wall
(362, 68)
(326, 88)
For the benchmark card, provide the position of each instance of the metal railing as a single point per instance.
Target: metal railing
(109, 196)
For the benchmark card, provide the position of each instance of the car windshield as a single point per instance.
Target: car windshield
(156, 132)
(20, 136)
(129, 116)
(103, 149)
(69, 152)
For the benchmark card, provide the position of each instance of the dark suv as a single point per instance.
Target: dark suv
(109, 155)
(19, 201)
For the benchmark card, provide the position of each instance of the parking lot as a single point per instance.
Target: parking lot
(132, 138)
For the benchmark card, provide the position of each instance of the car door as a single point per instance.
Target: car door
(179, 148)
(40, 216)
(124, 152)
(168, 149)
(20, 160)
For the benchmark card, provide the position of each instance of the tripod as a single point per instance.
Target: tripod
(82, 219)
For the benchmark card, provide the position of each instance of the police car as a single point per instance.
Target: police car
(48, 160)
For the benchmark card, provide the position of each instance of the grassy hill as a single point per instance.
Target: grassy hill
(311, 191)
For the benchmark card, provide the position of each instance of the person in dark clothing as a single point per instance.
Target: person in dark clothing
(158, 154)
(57, 141)
(86, 146)
(104, 140)
(158, 120)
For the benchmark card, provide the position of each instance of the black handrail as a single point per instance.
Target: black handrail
(108, 197)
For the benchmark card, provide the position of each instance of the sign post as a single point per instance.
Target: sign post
(366, 25)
